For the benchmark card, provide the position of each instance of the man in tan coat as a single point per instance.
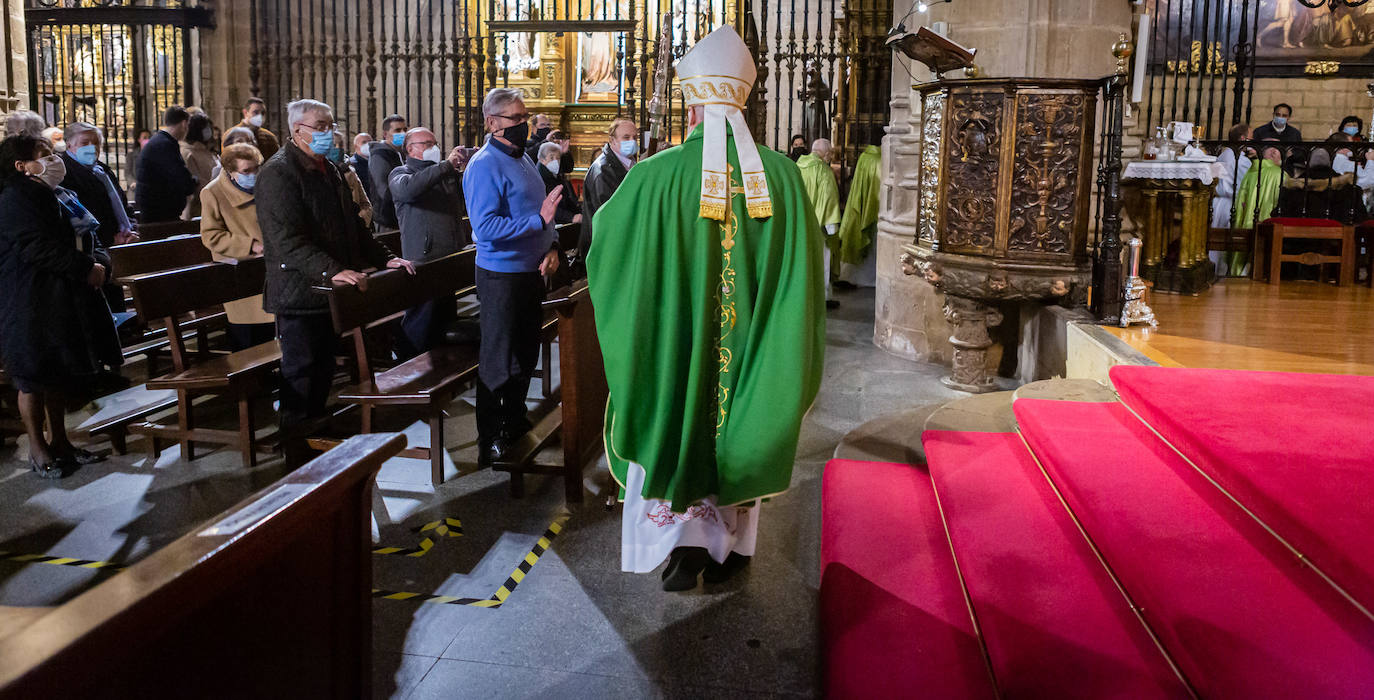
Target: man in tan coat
(229, 228)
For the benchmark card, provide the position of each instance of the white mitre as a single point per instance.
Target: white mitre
(719, 74)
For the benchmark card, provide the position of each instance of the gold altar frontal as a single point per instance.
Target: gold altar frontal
(1176, 214)
(1242, 324)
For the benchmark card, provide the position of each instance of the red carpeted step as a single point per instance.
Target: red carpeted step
(1296, 450)
(1238, 613)
(1054, 623)
(893, 618)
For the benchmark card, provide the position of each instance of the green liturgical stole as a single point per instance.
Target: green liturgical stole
(713, 332)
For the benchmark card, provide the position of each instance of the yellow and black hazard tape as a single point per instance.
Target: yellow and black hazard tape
(448, 527)
(498, 598)
(62, 561)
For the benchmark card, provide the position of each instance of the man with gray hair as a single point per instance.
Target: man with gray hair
(23, 121)
(96, 185)
(512, 225)
(824, 195)
(312, 234)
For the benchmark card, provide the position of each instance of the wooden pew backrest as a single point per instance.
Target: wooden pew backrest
(171, 293)
(270, 599)
(152, 256)
(391, 292)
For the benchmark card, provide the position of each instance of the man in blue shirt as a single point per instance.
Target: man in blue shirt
(516, 249)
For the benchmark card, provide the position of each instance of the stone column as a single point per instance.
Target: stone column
(225, 52)
(1036, 38)
(14, 78)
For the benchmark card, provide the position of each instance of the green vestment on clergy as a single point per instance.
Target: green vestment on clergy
(713, 333)
(824, 194)
(860, 223)
(1256, 198)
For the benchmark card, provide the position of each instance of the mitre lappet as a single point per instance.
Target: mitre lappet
(718, 73)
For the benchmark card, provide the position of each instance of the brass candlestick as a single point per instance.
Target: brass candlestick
(1136, 311)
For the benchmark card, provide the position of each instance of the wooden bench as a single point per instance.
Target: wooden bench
(1271, 234)
(270, 599)
(166, 229)
(153, 256)
(430, 380)
(581, 398)
(171, 295)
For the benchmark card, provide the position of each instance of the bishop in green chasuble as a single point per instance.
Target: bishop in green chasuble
(709, 294)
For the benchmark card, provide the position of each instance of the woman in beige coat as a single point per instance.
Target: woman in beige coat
(229, 228)
(200, 160)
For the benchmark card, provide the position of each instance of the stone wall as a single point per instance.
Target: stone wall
(1319, 104)
(14, 77)
(225, 53)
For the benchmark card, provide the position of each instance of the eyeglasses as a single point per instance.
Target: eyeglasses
(319, 126)
(517, 118)
(424, 144)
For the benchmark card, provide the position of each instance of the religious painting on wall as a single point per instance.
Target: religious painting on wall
(1290, 38)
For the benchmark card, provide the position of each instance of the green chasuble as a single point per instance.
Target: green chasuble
(1258, 189)
(713, 333)
(819, 180)
(860, 222)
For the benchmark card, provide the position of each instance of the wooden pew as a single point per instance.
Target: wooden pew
(166, 229)
(170, 296)
(582, 399)
(271, 599)
(391, 239)
(152, 256)
(431, 380)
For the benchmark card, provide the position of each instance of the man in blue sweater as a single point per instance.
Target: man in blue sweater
(516, 249)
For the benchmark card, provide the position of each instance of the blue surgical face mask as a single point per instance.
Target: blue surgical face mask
(629, 148)
(246, 181)
(1352, 130)
(398, 139)
(1280, 121)
(85, 155)
(321, 142)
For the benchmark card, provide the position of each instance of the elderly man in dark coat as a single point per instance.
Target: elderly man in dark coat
(604, 176)
(311, 234)
(164, 181)
(97, 186)
(428, 192)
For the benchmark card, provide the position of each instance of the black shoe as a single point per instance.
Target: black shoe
(83, 457)
(494, 451)
(54, 469)
(685, 564)
(832, 304)
(720, 573)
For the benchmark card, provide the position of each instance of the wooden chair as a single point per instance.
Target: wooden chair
(170, 296)
(270, 599)
(1271, 234)
(430, 380)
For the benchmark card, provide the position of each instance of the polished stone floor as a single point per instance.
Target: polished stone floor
(575, 626)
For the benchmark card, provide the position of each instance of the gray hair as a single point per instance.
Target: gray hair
(498, 98)
(240, 134)
(547, 149)
(821, 148)
(23, 121)
(296, 111)
(75, 129)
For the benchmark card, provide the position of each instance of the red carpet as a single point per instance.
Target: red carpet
(893, 616)
(1297, 450)
(1238, 613)
(1054, 624)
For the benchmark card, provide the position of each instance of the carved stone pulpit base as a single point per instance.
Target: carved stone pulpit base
(970, 320)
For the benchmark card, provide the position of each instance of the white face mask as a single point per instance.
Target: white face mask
(365, 150)
(552, 166)
(255, 120)
(432, 154)
(54, 171)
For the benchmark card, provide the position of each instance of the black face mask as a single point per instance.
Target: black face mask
(797, 152)
(541, 133)
(518, 135)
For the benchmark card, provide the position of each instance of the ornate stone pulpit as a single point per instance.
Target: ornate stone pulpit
(1006, 170)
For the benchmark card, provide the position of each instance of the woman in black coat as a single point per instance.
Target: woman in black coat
(55, 329)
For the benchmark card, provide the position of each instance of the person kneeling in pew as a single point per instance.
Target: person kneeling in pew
(311, 234)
